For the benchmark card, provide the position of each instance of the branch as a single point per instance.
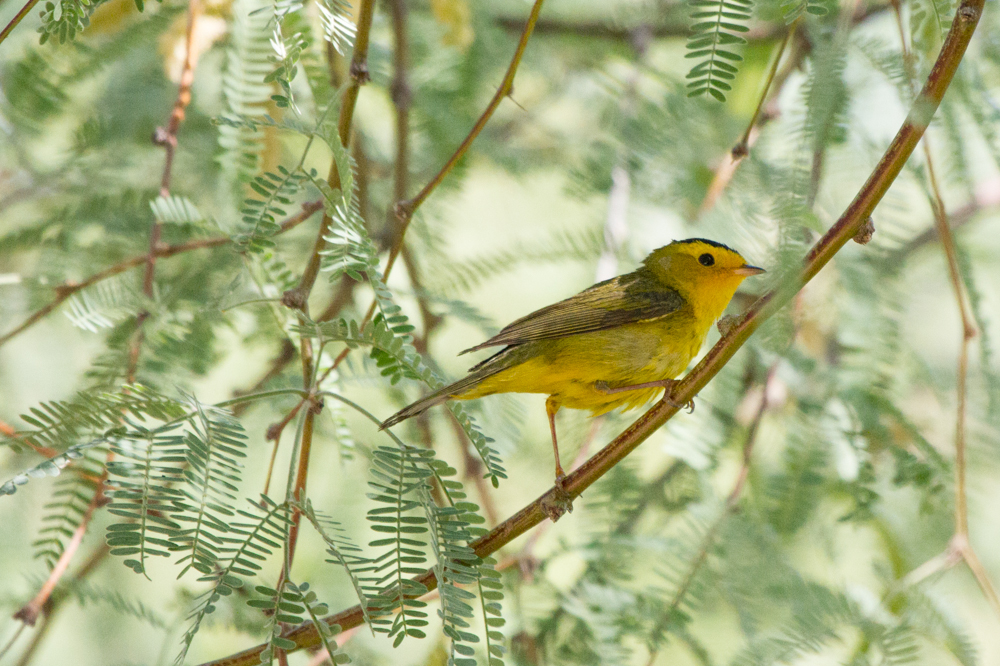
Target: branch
(359, 77)
(28, 614)
(405, 209)
(676, 26)
(839, 234)
(17, 19)
(67, 289)
(168, 139)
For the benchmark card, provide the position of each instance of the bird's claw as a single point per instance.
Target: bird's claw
(689, 405)
(557, 504)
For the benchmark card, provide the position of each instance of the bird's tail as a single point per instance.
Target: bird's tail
(463, 388)
(419, 407)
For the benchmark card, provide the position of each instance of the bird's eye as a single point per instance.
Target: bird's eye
(706, 259)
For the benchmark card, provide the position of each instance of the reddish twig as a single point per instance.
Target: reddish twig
(67, 289)
(7, 430)
(774, 82)
(28, 613)
(166, 137)
(24, 11)
(404, 209)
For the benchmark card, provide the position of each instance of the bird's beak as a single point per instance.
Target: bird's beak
(747, 270)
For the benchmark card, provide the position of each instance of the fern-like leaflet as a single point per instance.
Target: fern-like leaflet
(142, 487)
(214, 444)
(103, 305)
(400, 483)
(457, 563)
(64, 20)
(260, 215)
(342, 551)
(247, 544)
(712, 40)
(245, 93)
(134, 608)
(792, 10)
(73, 495)
(490, 596)
(338, 27)
(60, 422)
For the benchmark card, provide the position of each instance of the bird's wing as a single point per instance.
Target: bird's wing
(622, 300)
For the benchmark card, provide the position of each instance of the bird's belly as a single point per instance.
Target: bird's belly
(570, 368)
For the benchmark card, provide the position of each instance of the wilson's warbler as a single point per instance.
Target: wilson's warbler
(616, 344)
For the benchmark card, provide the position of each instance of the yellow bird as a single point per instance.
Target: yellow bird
(616, 344)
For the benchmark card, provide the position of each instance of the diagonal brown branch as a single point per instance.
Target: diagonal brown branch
(856, 214)
(17, 19)
(64, 291)
(405, 209)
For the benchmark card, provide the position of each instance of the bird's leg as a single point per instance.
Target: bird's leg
(668, 386)
(551, 407)
(561, 502)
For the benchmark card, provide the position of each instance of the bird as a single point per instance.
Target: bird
(614, 345)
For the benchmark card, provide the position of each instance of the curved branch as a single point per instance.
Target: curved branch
(839, 234)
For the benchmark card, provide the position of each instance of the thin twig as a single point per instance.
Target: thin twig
(7, 430)
(28, 613)
(775, 81)
(17, 19)
(359, 77)
(166, 137)
(959, 547)
(13, 639)
(67, 289)
(666, 27)
(576, 482)
(404, 209)
(56, 602)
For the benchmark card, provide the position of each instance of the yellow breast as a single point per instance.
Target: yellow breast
(570, 368)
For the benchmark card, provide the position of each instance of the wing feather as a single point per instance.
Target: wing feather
(622, 300)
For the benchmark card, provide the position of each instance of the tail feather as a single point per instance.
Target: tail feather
(419, 407)
(492, 365)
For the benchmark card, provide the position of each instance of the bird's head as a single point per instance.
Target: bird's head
(704, 272)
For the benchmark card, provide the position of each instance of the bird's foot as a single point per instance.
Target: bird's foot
(689, 405)
(557, 503)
